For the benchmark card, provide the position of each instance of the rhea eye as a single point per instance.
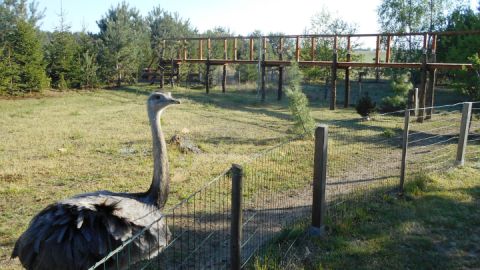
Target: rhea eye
(157, 97)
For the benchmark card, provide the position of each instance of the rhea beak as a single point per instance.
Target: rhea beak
(174, 101)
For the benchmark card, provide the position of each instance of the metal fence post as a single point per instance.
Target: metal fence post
(236, 222)
(319, 180)
(403, 166)
(463, 138)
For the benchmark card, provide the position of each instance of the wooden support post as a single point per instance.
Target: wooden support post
(172, 73)
(347, 76)
(185, 50)
(236, 221)
(225, 49)
(207, 77)
(388, 53)
(432, 78)
(280, 83)
(312, 49)
(251, 49)
(235, 49)
(403, 167)
(377, 51)
(224, 78)
(207, 72)
(377, 60)
(319, 180)
(264, 48)
(422, 90)
(413, 101)
(333, 91)
(200, 49)
(463, 138)
(297, 49)
(263, 78)
(280, 71)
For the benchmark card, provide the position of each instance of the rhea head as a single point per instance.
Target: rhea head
(157, 101)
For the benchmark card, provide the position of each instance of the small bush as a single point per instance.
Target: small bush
(365, 106)
(394, 103)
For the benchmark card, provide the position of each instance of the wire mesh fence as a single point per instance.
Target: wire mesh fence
(363, 156)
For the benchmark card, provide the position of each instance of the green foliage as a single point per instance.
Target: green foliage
(62, 60)
(393, 103)
(304, 123)
(23, 68)
(468, 81)
(124, 43)
(365, 106)
(401, 83)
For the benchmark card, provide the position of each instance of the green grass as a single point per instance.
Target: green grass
(435, 226)
(68, 143)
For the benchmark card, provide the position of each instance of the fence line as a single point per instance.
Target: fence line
(276, 190)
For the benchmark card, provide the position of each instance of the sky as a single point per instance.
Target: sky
(240, 16)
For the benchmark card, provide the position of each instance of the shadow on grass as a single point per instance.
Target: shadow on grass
(426, 229)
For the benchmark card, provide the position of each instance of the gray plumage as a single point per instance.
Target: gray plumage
(76, 233)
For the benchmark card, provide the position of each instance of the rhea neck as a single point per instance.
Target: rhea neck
(159, 188)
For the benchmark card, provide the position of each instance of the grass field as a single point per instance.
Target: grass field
(68, 143)
(435, 226)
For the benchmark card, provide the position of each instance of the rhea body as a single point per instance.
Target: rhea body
(76, 233)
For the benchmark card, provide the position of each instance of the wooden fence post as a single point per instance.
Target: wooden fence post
(403, 167)
(236, 221)
(463, 138)
(319, 180)
(333, 91)
(423, 90)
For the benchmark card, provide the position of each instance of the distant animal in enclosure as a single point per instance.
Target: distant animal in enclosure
(76, 233)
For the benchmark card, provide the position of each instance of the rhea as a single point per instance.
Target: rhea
(76, 233)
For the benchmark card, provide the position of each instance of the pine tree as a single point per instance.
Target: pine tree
(124, 40)
(304, 123)
(26, 57)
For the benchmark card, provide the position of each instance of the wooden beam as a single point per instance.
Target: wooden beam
(264, 48)
(297, 49)
(388, 53)
(184, 49)
(335, 44)
(235, 49)
(377, 50)
(312, 49)
(225, 45)
(209, 48)
(333, 95)
(346, 102)
(200, 49)
(251, 49)
(280, 49)
(425, 42)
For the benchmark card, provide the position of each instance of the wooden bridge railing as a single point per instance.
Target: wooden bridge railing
(187, 53)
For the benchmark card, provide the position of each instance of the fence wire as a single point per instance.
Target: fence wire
(363, 156)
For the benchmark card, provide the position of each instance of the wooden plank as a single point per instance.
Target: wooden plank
(388, 53)
(319, 201)
(333, 95)
(346, 101)
(209, 49)
(403, 165)
(236, 221)
(297, 49)
(251, 49)
(312, 49)
(463, 138)
(225, 49)
(422, 89)
(200, 49)
(235, 49)
(377, 51)
(441, 33)
(184, 49)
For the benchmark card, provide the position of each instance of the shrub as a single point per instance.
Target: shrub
(304, 123)
(365, 106)
(394, 103)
